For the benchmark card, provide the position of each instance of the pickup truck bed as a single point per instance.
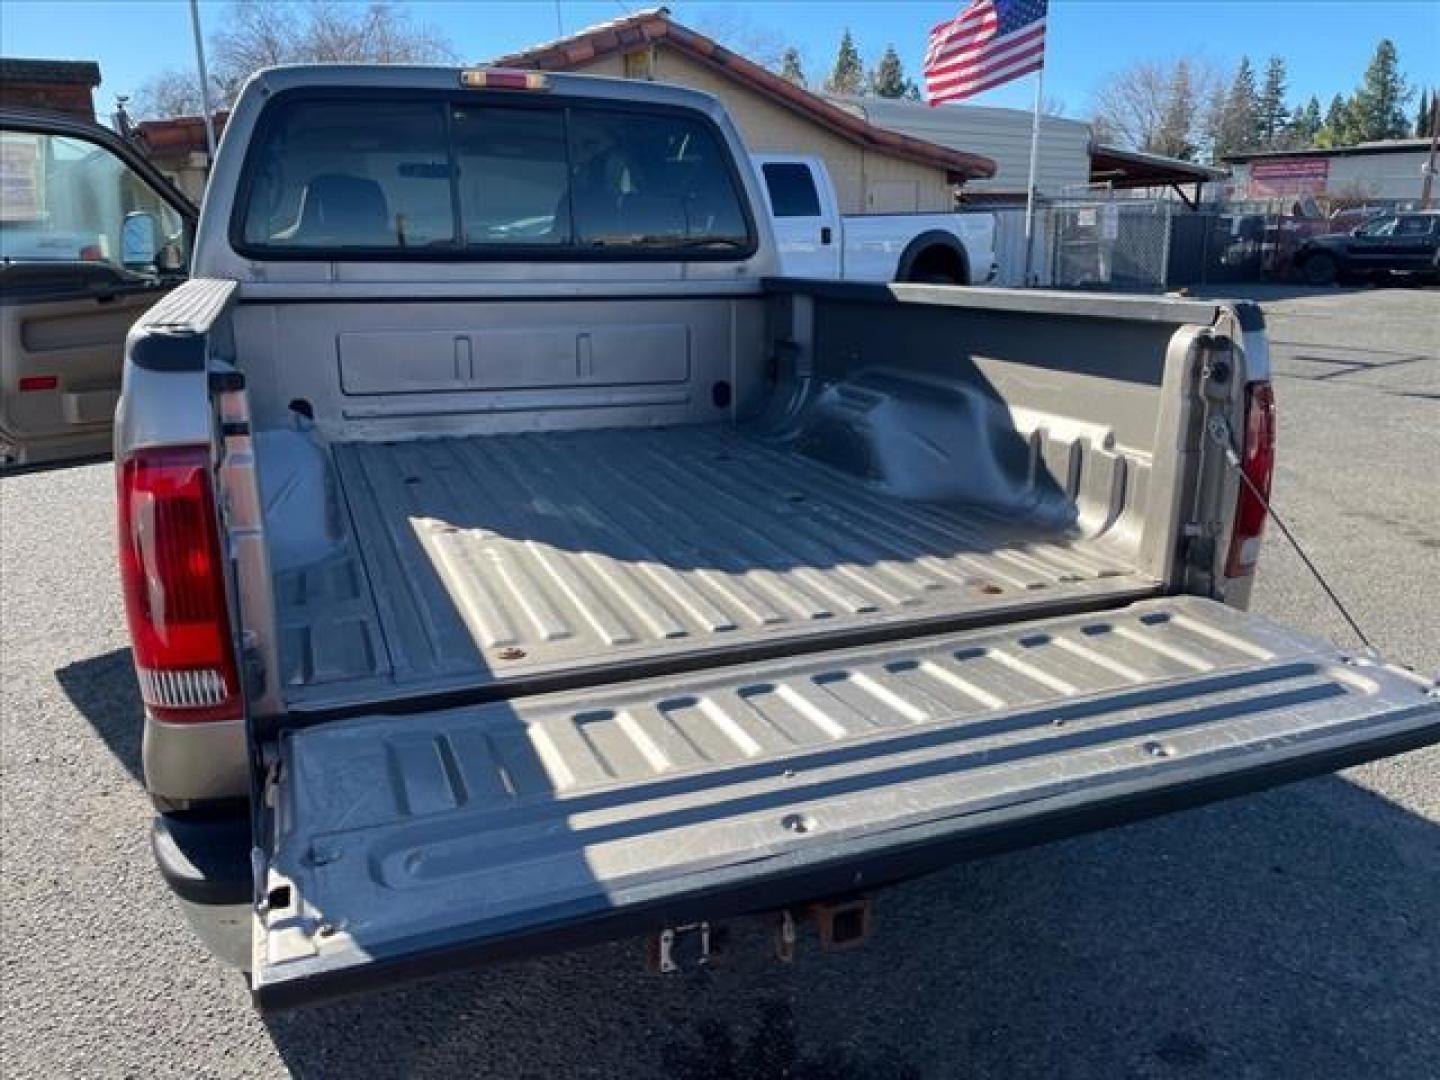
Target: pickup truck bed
(499, 559)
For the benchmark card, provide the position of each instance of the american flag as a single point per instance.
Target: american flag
(989, 43)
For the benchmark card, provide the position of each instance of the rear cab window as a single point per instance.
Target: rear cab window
(1417, 225)
(454, 178)
(792, 189)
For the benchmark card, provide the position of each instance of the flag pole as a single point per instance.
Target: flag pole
(1034, 160)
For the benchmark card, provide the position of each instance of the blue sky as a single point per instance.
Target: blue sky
(1326, 44)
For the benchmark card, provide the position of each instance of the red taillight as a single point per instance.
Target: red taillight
(31, 383)
(172, 572)
(92, 253)
(1257, 460)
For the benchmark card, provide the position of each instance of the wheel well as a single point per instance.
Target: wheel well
(932, 255)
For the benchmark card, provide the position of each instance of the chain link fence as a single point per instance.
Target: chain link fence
(1146, 245)
(1110, 245)
(1122, 245)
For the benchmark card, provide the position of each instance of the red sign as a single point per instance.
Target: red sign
(1289, 176)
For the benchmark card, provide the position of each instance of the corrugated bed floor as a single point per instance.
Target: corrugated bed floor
(496, 557)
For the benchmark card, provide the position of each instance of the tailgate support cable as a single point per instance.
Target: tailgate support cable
(1219, 429)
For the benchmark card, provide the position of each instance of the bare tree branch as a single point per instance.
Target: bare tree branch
(1156, 105)
(173, 92)
(742, 34)
(256, 34)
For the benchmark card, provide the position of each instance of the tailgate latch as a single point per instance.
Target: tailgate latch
(682, 948)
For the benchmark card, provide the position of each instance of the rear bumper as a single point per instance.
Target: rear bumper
(204, 860)
(206, 863)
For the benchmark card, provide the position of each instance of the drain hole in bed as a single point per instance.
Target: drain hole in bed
(798, 823)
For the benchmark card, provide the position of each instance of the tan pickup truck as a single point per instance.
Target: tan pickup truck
(513, 560)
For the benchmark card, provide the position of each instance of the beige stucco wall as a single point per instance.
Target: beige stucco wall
(865, 181)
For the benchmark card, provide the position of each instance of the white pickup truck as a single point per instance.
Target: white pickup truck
(512, 559)
(816, 241)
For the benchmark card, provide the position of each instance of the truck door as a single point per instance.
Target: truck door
(1372, 245)
(1414, 242)
(806, 222)
(90, 236)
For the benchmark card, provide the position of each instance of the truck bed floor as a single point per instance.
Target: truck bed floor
(495, 559)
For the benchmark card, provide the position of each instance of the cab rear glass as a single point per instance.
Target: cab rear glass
(488, 178)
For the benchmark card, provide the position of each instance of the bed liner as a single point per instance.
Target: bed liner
(487, 561)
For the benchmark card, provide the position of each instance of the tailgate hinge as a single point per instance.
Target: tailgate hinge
(681, 948)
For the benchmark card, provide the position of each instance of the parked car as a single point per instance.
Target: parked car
(513, 559)
(816, 240)
(1405, 243)
(91, 235)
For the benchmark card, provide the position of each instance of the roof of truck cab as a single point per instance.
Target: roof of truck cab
(434, 77)
(187, 133)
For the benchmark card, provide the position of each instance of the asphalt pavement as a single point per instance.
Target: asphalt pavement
(1291, 934)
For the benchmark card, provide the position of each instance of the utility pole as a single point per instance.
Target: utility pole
(204, 81)
(1034, 160)
(1429, 183)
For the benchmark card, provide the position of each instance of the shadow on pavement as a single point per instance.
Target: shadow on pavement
(103, 689)
(1263, 292)
(1294, 933)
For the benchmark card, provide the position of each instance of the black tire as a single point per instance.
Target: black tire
(1320, 269)
(926, 262)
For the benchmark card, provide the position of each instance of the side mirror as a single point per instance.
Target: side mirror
(137, 241)
(1358, 230)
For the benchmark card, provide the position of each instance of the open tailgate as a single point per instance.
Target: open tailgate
(400, 846)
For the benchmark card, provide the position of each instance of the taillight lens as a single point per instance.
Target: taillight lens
(1257, 460)
(172, 571)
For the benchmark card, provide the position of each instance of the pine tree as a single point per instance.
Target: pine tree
(1235, 123)
(1270, 113)
(1172, 137)
(887, 79)
(1333, 131)
(1308, 122)
(848, 76)
(1422, 116)
(1379, 104)
(790, 66)
(1214, 118)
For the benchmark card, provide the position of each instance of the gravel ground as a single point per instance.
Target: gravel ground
(1292, 934)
